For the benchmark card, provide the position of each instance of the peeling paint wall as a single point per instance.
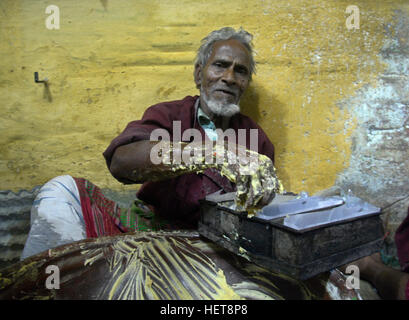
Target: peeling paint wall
(379, 161)
(332, 100)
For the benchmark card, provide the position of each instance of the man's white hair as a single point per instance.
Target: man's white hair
(227, 33)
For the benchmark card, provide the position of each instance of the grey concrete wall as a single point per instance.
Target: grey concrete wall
(379, 165)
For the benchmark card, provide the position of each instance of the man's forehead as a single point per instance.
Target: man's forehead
(230, 50)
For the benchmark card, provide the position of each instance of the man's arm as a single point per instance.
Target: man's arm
(256, 181)
(128, 158)
(133, 162)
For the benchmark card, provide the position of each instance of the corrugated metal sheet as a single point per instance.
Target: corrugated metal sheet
(14, 223)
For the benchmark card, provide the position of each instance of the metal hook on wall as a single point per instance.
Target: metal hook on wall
(39, 81)
(47, 92)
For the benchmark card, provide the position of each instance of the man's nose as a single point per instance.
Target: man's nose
(229, 76)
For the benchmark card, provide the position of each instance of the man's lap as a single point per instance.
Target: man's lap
(69, 209)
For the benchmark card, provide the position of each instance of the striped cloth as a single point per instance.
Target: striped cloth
(69, 209)
(104, 217)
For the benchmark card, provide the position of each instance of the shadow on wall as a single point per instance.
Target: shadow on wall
(249, 103)
(250, 106)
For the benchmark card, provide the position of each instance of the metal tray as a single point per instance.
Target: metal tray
(278, 247)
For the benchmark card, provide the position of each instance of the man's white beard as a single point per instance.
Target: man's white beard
(219, 108)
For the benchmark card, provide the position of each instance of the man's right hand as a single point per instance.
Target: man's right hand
(255, 178)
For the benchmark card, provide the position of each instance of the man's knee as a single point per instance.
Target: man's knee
(58, 205)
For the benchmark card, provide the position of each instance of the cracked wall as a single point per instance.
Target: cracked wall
(379, 162)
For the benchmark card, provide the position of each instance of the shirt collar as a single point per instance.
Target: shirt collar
(204, 119)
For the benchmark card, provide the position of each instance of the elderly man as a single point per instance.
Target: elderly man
(68, 209)
(223, 72)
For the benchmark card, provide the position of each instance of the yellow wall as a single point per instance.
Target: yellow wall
(106, 65)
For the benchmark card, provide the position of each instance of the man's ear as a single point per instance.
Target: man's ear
(198, 75)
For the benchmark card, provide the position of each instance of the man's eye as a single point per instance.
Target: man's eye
(242, 71)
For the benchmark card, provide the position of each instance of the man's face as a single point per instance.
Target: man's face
(227, 73)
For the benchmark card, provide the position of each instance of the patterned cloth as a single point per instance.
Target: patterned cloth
(104, 217)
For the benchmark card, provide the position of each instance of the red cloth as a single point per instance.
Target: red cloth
(402, 243)
(178, 199)
(101, 215)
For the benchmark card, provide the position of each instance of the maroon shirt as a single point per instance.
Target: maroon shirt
(177, 199)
